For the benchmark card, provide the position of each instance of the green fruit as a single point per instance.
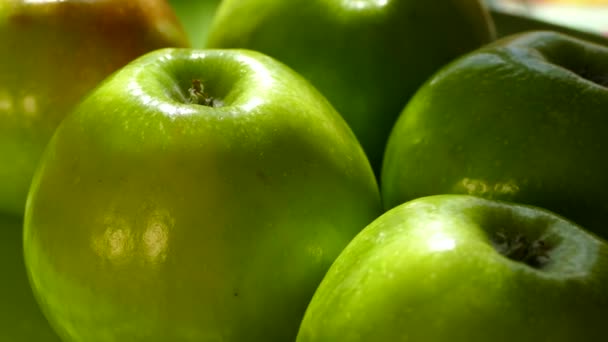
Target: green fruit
(54, 52)
(464, 269)
(20, 316)
(366, 56)
(196, 16)
(522, 120)
(508, 24)
(155, 218)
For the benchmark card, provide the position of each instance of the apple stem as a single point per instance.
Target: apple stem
(198, 95)
(519, 248)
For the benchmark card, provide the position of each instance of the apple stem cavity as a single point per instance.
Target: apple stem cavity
(200, 97)
(533, 253)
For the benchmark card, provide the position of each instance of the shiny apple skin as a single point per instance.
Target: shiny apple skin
(367, 57)
(428, 270)
(152, 219)
(513, 121)
(53, 53)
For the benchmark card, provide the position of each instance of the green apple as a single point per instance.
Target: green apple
(20, 317)
(196, 16)
(508, 24)
(521, 120)
(196, 195)
(54, 52)
(461, 268)
(366, 56)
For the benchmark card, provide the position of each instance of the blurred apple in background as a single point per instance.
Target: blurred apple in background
(20, 318)
(366, 56)
(53, 52)
(521, 120)
(196, 16)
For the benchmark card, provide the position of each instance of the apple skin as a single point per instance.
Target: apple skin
(153, 219)
(55, 52)
(20, 317)
(196, 17)
(366, 56)
(513, 121)
(427, 270)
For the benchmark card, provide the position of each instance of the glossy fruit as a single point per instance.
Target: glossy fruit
(522, 120)
(53, 52)
(462, 268)
(196, 16)
(20, 316)
(366, 56)
(154, 218)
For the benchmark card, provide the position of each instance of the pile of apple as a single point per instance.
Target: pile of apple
(324, 170)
